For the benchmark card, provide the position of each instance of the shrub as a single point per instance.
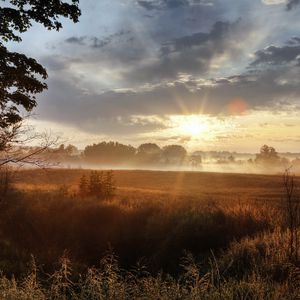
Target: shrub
(100, 185)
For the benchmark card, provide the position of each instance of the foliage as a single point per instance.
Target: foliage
(148, 153)
(267, 155)
(174, 154)
(23, 77)
(100, 185)
(108, 153)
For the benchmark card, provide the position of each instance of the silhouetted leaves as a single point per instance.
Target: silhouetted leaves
(18, 15)
(21, 77)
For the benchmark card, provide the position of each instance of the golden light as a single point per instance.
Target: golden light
(193, 125)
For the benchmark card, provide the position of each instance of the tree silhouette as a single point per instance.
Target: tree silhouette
(23, 77)
(174, 154)
(267, 155)
(109, 153)
(100, 185)
(195, 160)
(148, 153)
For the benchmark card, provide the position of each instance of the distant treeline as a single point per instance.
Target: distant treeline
(115, 153)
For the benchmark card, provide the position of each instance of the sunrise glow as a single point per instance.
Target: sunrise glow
(193, 125)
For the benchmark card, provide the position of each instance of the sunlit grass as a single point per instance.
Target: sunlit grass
(200, 236)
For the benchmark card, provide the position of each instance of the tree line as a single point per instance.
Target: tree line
(148, 153)
(115, 153)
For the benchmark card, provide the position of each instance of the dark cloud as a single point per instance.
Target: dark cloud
(191, 54)
(96, 42)
(100, 43)
(294, 41)
(161, 48)
(76, 40)
(292, 3)
(149, 5)
(167, 4)
(141, 59)
(218, 33)
(274, 55)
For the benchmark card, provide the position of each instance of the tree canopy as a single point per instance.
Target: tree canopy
(174, 153)
(21, 77)
(267, 155)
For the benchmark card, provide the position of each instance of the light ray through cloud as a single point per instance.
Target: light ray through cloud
(209, 78)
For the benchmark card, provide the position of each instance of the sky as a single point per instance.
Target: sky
(206, 74)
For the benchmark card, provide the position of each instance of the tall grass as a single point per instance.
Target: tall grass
(54, 246)
(109, 281)
(48, 224)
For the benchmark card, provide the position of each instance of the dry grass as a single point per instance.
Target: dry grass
(203, 185)
(268, 276)
(153, 220)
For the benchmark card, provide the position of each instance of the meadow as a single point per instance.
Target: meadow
(163, 235)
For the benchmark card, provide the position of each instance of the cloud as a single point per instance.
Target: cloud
(96, 42)
(294, 41)
(192, 54)
(142, 57)
(120, 111)
(114, 81)
(273, 2)
(169, 4)
(149, 5)
(130, 111)
(100, 43)
(292, 3)
(76, 40)
(273, 55)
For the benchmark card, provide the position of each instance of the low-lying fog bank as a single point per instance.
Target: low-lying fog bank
(205, 167)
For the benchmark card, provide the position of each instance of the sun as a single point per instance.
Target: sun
(193, 125)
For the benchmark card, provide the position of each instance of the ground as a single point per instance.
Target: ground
(164, 184)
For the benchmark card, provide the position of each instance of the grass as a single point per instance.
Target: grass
(171, 235)
(270, 277)
(169, 184)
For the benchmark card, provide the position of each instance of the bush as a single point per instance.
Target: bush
(100, 185)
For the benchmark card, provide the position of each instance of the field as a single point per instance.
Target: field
(215, 186)
(163, 235)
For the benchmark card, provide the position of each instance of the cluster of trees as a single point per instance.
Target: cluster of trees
(111, 152)
(115, 153)
(149, 153)
(269, 156)
(99, 184)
